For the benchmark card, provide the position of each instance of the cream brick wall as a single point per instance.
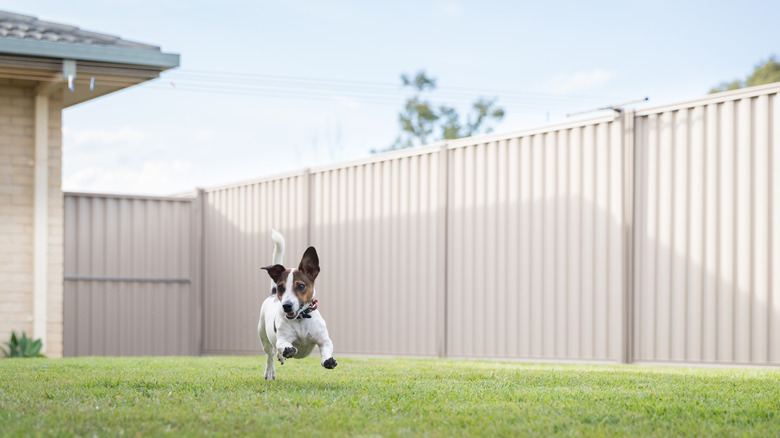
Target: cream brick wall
(17, 176)
(54, 329)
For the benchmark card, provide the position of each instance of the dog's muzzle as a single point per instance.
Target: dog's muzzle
(287, 307)
(302, 313)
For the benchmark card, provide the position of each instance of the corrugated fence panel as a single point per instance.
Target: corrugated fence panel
(378, 228)
(706, 240)
(237, 243)
(128, 267)
(535, 245)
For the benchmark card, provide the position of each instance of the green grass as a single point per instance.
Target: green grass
(380, 397)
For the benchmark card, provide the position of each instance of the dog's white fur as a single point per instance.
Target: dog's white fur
(285, 338)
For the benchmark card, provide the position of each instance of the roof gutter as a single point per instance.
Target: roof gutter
(89, 52)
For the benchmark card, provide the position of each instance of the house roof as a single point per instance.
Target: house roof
(99, 63)
(31, 28)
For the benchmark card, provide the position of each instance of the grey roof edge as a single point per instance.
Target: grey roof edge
(23, 26)
(89, 52)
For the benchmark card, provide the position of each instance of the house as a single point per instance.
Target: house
(45, 68)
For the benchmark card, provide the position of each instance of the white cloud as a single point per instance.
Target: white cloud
(347, 102)
(204, 135)
(580, 81)
(81, 137)
(449, 8)
(153, 177)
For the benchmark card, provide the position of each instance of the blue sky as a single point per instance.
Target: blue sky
(266, 87)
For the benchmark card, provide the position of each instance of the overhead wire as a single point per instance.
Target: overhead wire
(217, 75)
(376, 93)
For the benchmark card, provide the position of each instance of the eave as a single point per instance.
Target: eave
(89, 52)
(99, 70)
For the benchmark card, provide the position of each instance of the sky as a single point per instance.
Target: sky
(269, 87)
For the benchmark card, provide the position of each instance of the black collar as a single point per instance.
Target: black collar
(307, 313)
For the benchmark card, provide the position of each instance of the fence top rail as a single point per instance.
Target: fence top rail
(262, 179)
(384, 156)
(378, 158)
(716, 98)
(470, 141)
(123, 196)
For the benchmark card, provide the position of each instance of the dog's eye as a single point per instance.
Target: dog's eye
(280, 288)
(301, 286)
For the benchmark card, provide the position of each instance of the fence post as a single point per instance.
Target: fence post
(629, 184)
(307, 176)
(198, 263)
(443, 293)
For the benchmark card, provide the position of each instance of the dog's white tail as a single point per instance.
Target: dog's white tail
(278, 246)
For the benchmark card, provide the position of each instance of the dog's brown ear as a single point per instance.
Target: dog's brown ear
(275, 272)
(310, 263)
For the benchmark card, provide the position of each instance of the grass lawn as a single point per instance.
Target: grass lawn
(380, 397)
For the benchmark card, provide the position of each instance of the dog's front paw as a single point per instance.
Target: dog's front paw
(330, 363)
(270, 374)
(289, 352)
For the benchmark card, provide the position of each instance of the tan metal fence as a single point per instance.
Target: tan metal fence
(535, 245)
(643, 237)
(131, 283)
(708, 231)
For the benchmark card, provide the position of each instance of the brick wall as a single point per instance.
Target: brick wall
(17, 177)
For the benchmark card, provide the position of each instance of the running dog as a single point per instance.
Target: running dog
(290, 324)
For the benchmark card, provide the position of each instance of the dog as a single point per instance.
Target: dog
(290, 324)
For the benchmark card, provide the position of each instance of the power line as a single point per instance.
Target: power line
(331, 96)
(218, 76)
(365, 90)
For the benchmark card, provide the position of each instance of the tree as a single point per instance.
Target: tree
(420, 119)
(764, 73)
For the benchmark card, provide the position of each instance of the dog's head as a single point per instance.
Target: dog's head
(295, 287)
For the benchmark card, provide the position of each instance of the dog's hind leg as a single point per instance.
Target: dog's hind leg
(270, 370)
(270, 351)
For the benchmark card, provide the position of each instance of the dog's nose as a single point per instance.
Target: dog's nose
(287, 306)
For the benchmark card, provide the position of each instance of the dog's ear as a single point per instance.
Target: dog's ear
(310, 263)
(275, 272)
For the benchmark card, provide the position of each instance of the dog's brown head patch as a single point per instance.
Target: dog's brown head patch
(304, 276)
(278, 274)
(303, 286)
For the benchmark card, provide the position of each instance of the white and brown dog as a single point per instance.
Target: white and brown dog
(290, 324)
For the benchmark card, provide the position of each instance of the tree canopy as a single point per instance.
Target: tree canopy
(765, 72)
(422, 121)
